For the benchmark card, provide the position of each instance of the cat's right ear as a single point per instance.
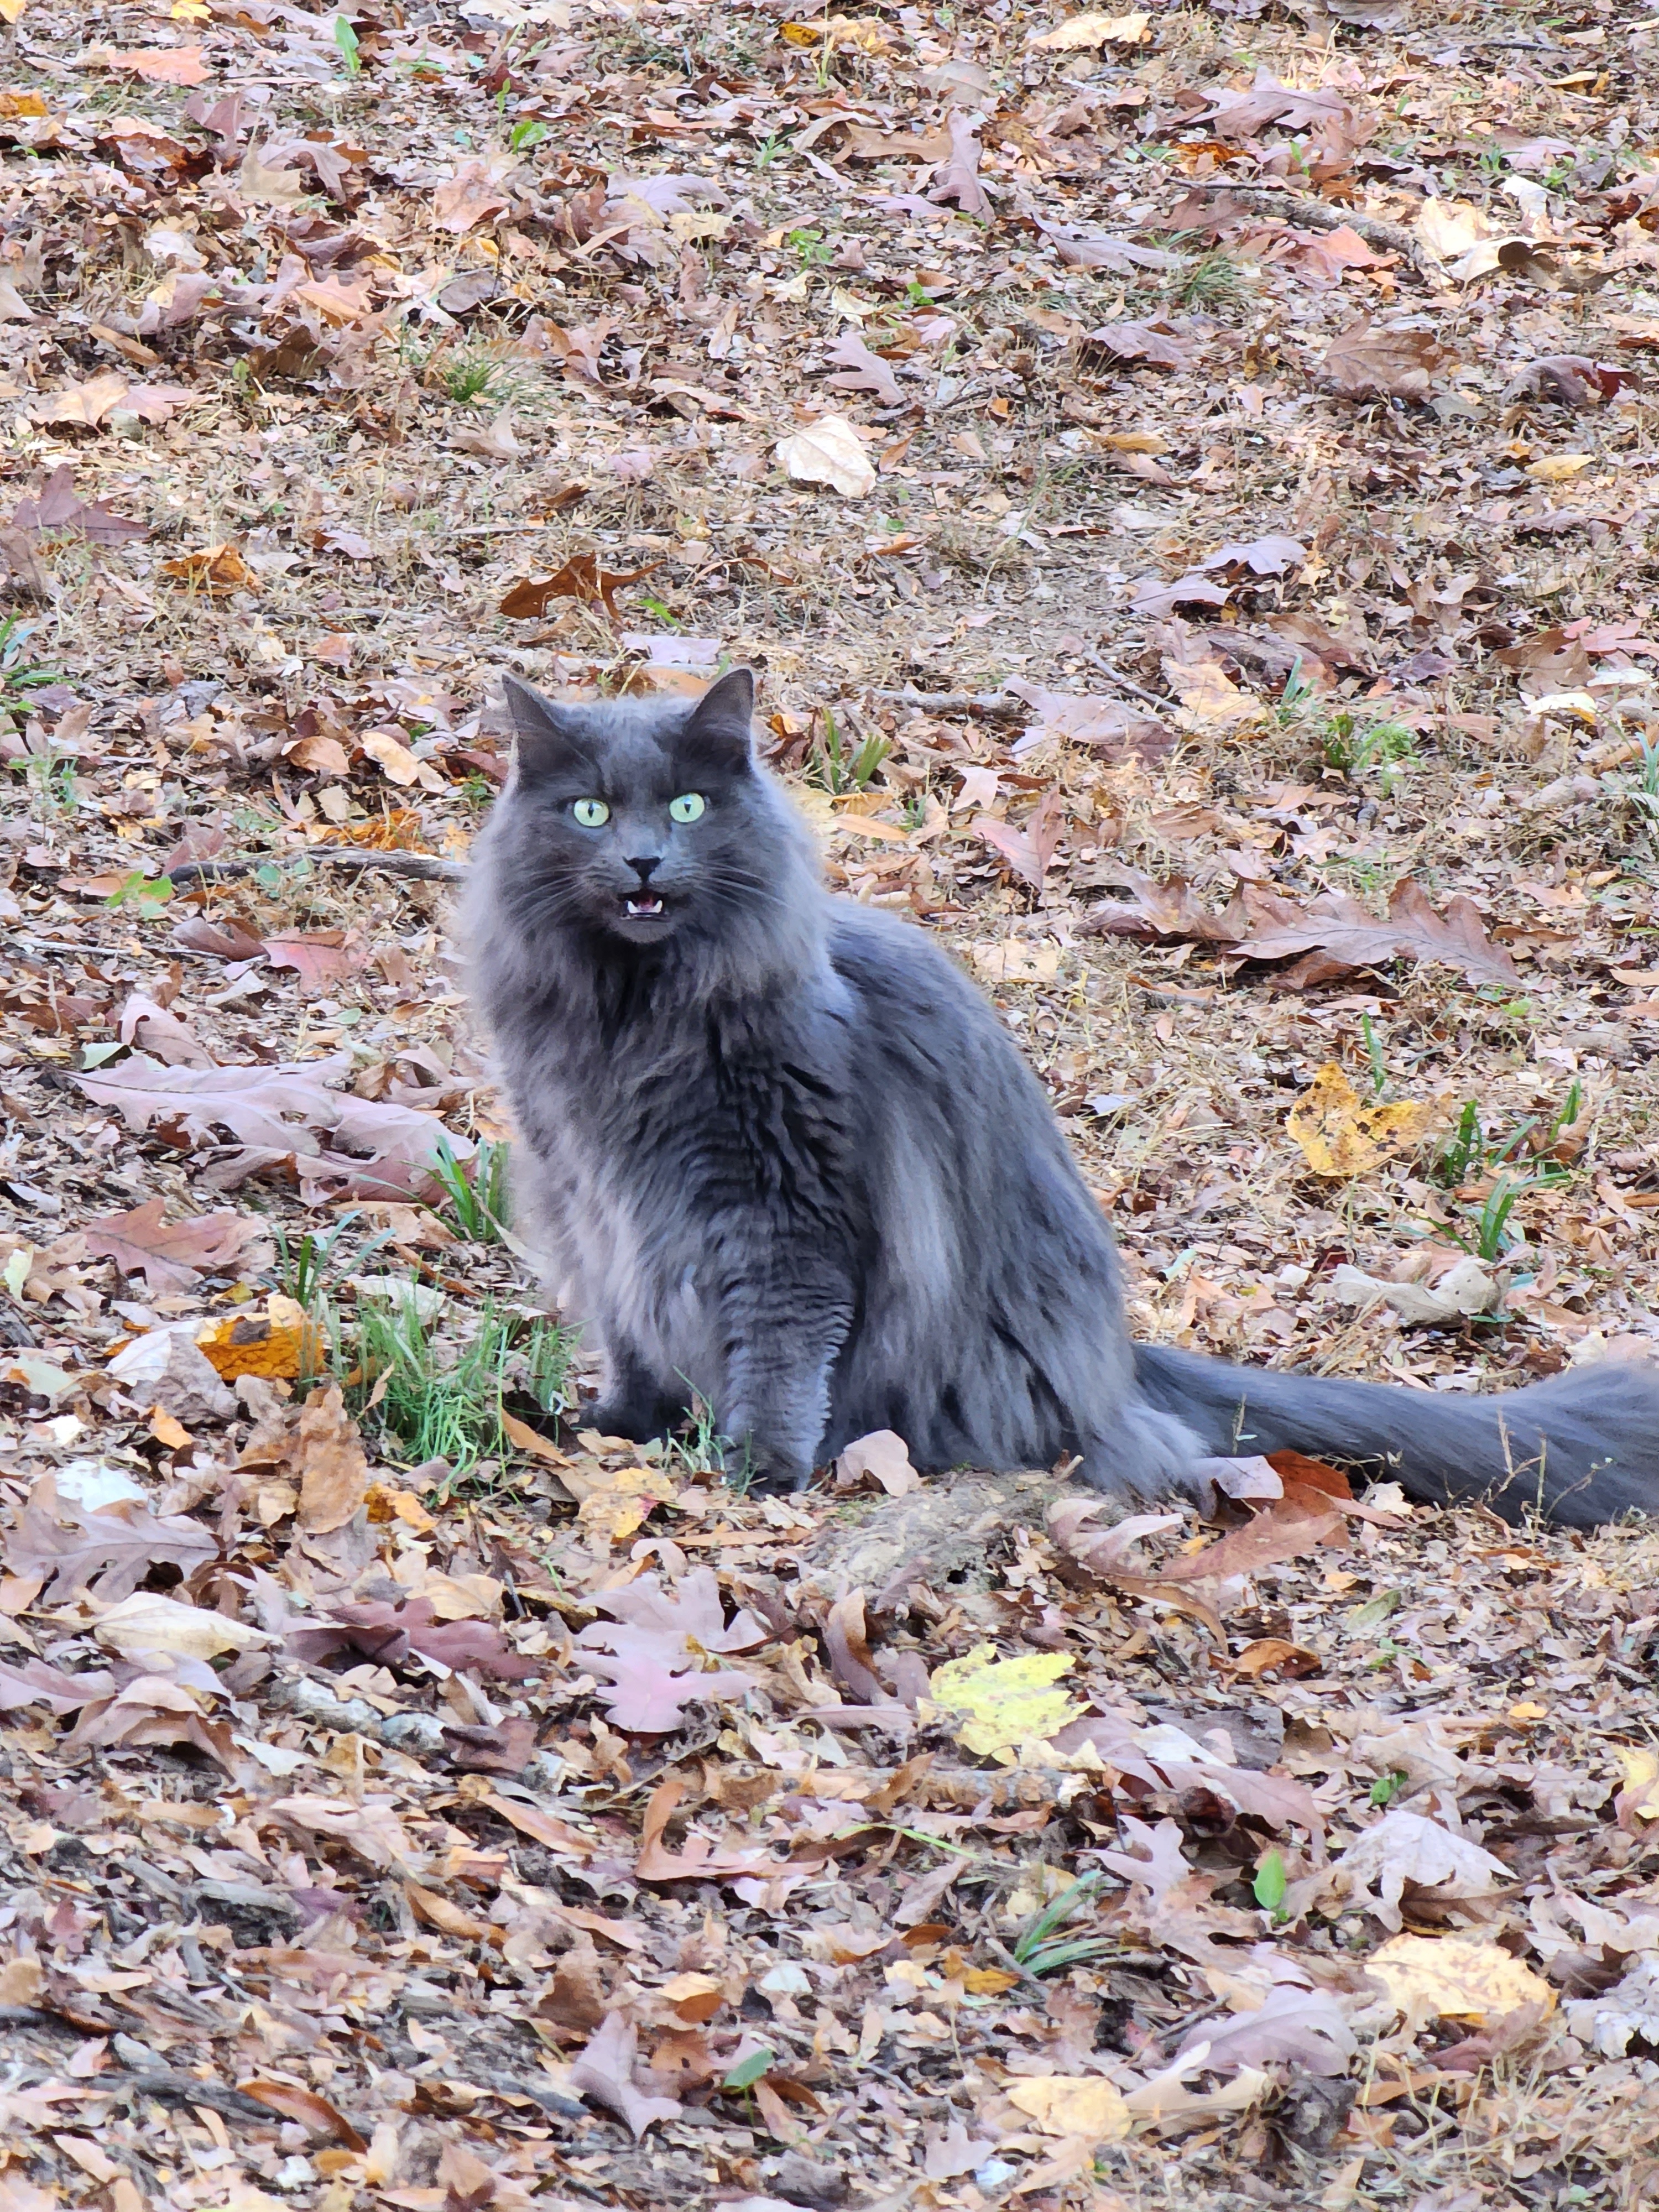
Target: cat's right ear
(547, 737)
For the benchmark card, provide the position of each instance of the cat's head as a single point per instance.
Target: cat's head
(643, 823)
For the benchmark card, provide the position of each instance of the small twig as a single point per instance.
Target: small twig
(1320, 215)
(354, 859)
(186, 2089)
(1128, 684)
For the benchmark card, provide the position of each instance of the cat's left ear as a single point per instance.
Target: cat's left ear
(549, 738)
(718, 729)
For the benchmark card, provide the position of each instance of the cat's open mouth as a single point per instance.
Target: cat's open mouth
(644, 907)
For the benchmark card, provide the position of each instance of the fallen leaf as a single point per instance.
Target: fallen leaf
(1087, 2106)
(1007, 1704)
(1263, 556)
(281, 1344)
(1340, 1136)
(332, 1464)
(884, 1454)
(1625, 2014)
(313, 2113)
(830, 451)
(605, 2071)
(1408, 1847)
(581, 578)
(55, 506)
(1091, 31)
(862, 370)
(146, 1626)
(1363, 364)
(218, 572)
(1299, 2027)
(1029, 848)
(334, 1143)
(171, 1256)
(108, 1552)
(371, 1828)
(1156, 344)
(1014, 961)
(164, 1368)
(1455, 1977)
(1466, 1288)
(956, 180)
(180, 65)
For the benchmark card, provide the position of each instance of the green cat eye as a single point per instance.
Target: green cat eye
(687, 807)
(591, 813)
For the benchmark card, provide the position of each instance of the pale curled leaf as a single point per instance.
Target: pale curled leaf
(1455, 1977)
(830, 451)
(605, 2071)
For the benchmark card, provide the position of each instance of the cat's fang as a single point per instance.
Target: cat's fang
(642, 909)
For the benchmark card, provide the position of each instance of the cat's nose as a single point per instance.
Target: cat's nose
(644, 864)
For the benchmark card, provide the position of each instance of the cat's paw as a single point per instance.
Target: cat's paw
(623, 1417)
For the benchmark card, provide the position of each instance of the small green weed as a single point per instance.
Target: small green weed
(1468, 1151)
(1387, 1787)
(475, 1190)
(809, 247)
(345, 40)
(774, 144)
(19, 673)
(835, 768)
(307, 1267)
(1356, 748)
(54, 783)
(144, 895)
(1039, 1947)
(430, 1397)
(699, 1449)
(527, 133)
(1208, 281)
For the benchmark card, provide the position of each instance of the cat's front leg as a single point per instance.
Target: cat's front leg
(781, 1339)
(637, 1402)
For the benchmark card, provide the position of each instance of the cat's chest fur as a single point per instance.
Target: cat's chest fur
(669, 1150)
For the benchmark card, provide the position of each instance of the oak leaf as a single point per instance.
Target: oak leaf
(171, 1256)
(108, 1552)
(582, 578)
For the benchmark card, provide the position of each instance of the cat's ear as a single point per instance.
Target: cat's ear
(718, 728)
(548, 737)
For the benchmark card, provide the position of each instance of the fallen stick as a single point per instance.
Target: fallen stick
(354, 859)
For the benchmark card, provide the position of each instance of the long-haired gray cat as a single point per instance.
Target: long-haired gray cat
(779, 1151)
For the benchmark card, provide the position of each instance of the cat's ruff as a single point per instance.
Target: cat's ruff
(776, 1149)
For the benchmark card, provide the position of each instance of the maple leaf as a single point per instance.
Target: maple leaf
(582, 578)
(603, 2069)
(1362, 363)
(171, 1257)
(108, 1552)
(862, 370)
(645, 1695)
(1028, 849)
(691, 1613)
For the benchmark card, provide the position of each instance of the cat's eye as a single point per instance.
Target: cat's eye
(687, 807)
(591, 813)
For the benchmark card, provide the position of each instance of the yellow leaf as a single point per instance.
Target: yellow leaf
(1449, 228)
(1641, 1768)
(1093, 30)
(399, 1505)
(988, 1981)
(1557, 468)
(1007, 1704)
(11, 10)
(1085, 2105)
(279, 1344)
(1340, 1136)
(1456, 1978)
(865, 32)
(604, 1514)
(1209, 698)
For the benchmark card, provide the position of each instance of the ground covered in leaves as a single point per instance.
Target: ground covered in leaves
(1182, 477)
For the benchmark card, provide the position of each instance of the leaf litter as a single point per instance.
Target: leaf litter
(1207, 591)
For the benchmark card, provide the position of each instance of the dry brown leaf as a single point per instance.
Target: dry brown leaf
(332, 1464)
(218, 572)
(1363, 364)
(582, 578)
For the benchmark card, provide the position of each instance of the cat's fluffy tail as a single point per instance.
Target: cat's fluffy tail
(1581, 1449)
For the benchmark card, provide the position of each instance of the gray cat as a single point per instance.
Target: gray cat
(778, 1150)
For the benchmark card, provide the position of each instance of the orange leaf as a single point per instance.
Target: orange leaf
(581, 578)
(220, 570)
(183, 65)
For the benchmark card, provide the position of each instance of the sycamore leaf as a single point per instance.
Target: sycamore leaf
(604, 2072)
(1089, 31)
(1454, 1977)
(1408, 1847)
(171, 1256)
(883, 1456)
(830, 451)
(144, 1626)
(1084, 2105)
(1340, 1136)
(1004, 1704)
